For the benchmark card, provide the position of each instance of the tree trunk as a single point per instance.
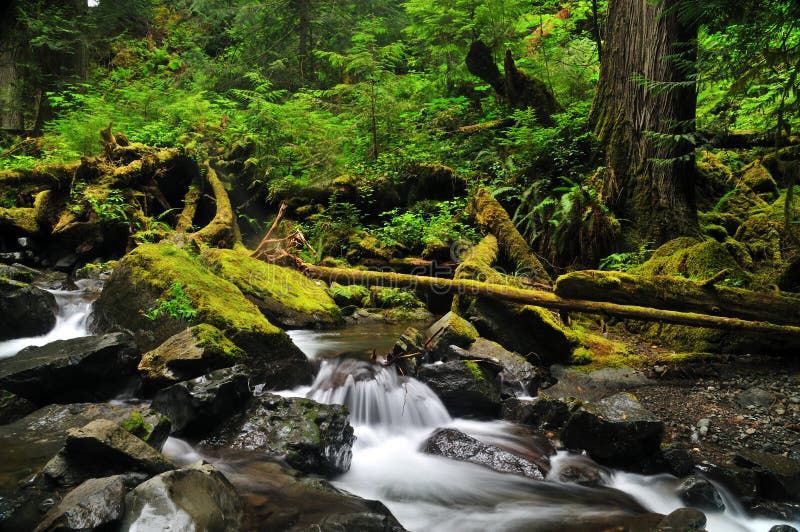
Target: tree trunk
(645, 103)
(676, 293)
(12, 48)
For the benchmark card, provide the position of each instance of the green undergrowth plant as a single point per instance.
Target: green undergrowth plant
(426, 223)
(177, 305)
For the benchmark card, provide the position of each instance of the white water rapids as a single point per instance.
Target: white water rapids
(74, 307)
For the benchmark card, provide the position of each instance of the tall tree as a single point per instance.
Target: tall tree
(644, 114)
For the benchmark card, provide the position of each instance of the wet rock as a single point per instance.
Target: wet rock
(518, 375)
(683, 520)
(755, 397)
(25, 310)
(454, 444)
(29, 443)
(594, 385)
(311, 437)
(450, 329)
(410, 342)
(18, 272)
(581, 470)
(467, 388)
(13, 407)
(107, 441)
(197, 406)
(782, 528)
(190, 353)
(147, 274)
(616, 431)
(698, 492)
(194, 498)
(70, 370)
(678, 460)
(295, 503)
(96, 503)
(542, 411)
(785, 511)
(778, 476)
(740, 481)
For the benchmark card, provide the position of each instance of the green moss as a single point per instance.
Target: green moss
(263, 281)
(212, 338)
(717, 232)
(353, 294)
(477, 372)
(218, 301)
(136, 425)
(689, 258)
(581, 356)
(596, 352)
(387, 297)
(21, 219)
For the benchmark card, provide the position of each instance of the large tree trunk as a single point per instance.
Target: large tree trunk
(645, 93)
(12, 48)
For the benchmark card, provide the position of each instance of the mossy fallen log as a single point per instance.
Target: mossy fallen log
(493, 218)
(676, 293)
(548, 300)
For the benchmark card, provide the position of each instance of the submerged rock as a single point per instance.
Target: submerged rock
(311, 437)
(682, 520)
(70, 370)
(25, 310)
(148, 273)
(193, 498)
(190, 353)
(452, 443)
(616, 431)
(197, 406)
(466, 387)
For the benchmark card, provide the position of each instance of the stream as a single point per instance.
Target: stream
(393, 416)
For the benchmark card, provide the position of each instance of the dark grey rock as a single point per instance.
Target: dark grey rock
(683, 520)
(197, 406)
(450, 329)
(616, 431)
(679, 461)
(452, 443)
(519, 377)
(740, 481)
(194, 498)
(755, 397)
(96, 503)
(698, 492)
(779, 476)
(582, 470)
(25, 310)
(13, 407)
(310, 436)
(782, 528)
(410, 342)
(70, 370)
(542, 411)
(467, 388)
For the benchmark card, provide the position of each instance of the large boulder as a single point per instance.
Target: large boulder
(149, 273)
(454, 444)
(190, 353)
(698, 492)
(542, 411)
(193, 498)
(311, 437)
(106, 441)
(616, 431)
(295, 502)
(466, 387)
(25, 310)
(778, 475)
(285, 296)
(519, 377)
(28, 444)
(450, 329)
(96, 503)
(85, 368)
(199, 405)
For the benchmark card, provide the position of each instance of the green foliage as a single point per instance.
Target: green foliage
(426, 223)
(177, 305)
(395, 298)
(334, 227)
(626, 261)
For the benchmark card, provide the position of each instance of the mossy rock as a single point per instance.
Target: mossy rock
(146, 274)
(713, 181)
(450, 329)
(190, 353)
(364, 246)
(19, 221)
(698, 259)
(758, 179)
(389, 297)
(284, 296)
(597, 352)
(354, 295)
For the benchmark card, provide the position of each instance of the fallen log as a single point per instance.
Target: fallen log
(676, 293)
(545, 299)
(222, 230)
(491, 217)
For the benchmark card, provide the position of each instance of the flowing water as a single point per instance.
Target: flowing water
(74, 307)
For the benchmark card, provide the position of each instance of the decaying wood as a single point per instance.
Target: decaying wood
(491, 217)
(222, 230)
(546, 299)
(190, 202)
(676, 293)
(266, 240)
(500, 123)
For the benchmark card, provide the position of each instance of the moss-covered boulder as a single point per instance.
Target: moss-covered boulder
(467, 387)
(699, 259)
(145, 279)
(286, 297)
(713, 180)
(450, 329)
(188, 354)
(18, 221)
(352, 295)
(756, 177)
